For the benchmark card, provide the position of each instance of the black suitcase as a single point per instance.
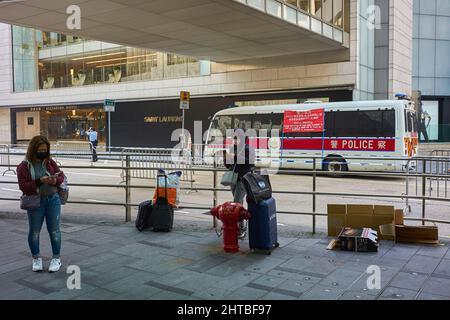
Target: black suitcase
(162, 212)
(144, 217)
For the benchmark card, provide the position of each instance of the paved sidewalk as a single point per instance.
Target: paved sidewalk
(118, 262)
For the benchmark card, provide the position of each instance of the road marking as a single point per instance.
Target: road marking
(179, 211)
(93, 174)
(280, 224)
(15, 190)
(101, 201)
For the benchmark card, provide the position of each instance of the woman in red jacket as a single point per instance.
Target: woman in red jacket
(39, 174)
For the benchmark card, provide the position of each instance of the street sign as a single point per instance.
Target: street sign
(109, 105)
(184, 100)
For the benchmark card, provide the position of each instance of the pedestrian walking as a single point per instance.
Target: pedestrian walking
(39, 175)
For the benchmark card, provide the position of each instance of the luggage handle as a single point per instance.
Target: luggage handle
(157, 185)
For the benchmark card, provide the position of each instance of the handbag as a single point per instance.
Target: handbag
(63, 191)
(229, 178)
(30, 202)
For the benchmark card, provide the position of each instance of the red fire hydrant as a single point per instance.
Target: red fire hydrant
(230, 214)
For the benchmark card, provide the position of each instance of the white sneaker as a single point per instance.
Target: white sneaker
(55, 264)
(37, 265)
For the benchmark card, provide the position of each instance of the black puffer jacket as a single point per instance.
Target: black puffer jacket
(244, 158)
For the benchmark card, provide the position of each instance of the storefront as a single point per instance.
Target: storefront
(152, 123)
(58, 122)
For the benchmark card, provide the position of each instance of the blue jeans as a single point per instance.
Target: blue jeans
(50, 209)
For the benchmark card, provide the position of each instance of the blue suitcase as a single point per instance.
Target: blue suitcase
(262, 226)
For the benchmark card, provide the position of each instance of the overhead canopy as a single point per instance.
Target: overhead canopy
(216, 30)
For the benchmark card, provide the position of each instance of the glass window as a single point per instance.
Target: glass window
(242, 122)
(328, 11)
(175, 66)
(329, 124)
(388, 124)
(316, 8)
(291, 2)
(264, 122)
(346, 124)
(304, 5)
(370, 123)
(223, 123)
(277, 122)
(338, 14)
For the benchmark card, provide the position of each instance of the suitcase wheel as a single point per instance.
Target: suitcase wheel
(276, 245)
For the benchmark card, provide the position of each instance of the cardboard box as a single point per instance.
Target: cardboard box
(336, 218)
(379, 218)
(359, 240)
(417, 234)
(399, 217)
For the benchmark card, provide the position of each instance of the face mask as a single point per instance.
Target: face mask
(41, 155)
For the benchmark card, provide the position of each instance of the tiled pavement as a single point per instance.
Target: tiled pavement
(118, 262)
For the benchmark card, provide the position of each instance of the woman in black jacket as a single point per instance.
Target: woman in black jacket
(241, 159)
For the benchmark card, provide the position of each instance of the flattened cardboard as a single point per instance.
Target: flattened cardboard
(417, 234)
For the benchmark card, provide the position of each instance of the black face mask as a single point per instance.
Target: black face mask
(41, 155)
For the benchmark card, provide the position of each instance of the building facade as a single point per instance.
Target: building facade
(431, 68)
(55, 84)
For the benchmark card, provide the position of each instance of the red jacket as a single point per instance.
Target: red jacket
(26, 183)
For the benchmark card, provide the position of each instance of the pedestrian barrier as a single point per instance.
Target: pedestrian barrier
(197, 154)
(73, 150)
(134, 164)
(428, 177)
(146, 162)
(5, 159)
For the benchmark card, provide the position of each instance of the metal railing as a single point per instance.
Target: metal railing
(5, 158)
(437, 184)
(146, 162)
(73, 150)
(127, 169)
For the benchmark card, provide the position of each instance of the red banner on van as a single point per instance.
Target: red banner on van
(303, 121)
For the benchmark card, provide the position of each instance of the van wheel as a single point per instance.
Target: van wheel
(335, 164)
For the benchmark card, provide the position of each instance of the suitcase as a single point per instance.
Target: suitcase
(162, 212)
(262, 226)
(144, 217)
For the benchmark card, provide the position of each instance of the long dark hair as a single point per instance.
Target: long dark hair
(34, 145)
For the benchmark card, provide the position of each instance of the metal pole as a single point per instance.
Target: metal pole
(109, 131)
(127, 190)
(215, 191)
(314, 195)
(407, 186)
(424, 182)
(182, 131)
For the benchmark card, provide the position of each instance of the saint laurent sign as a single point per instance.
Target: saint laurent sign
(162, 119)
